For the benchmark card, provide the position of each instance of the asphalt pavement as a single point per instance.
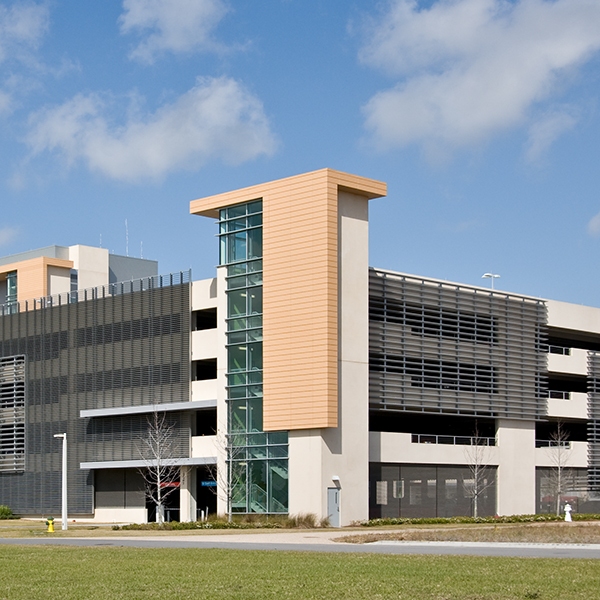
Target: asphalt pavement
(320, 541)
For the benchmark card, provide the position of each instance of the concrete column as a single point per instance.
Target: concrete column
(187, 494)
(221, 439)
(516, 467)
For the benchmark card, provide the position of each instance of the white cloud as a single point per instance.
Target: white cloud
(177, 26)
(7, 235)
(21, 28)
(545, 131)
(216, 119)
(466, 69)
(594, 225)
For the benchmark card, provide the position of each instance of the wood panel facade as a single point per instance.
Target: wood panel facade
(300, 288)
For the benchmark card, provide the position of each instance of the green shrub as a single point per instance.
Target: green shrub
(250, 521)
(5, 512)
(496, 519)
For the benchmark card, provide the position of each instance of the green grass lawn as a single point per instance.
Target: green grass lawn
(55, 572)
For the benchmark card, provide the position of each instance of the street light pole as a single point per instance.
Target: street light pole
(491, 276)
(64, 479)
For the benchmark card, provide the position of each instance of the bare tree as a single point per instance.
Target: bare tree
(482, 476)
(157, 450)
(232, 475)
(559, 451)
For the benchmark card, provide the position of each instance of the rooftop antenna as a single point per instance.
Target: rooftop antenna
(126, 239)
(100, 240)
(141, 249)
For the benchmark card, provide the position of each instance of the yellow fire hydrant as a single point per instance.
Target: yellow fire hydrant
(50, 523)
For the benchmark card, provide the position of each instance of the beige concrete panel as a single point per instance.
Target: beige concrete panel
(187, 494)
(516, 467)
(398, 448)
(120, 515)
(204, 446)
(204, 294)
(306, 485)
(575, 363)
(204, 344)
(205, 390)
(59, 281)
(91, 264)
(574, 408)
(575, 456)
(573, 316)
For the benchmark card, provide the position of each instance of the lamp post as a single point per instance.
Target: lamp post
(491, 276)
(64, 479)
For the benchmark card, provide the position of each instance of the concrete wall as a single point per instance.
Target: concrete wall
(574, 408)
(126, 268)
(398, 448)
(120, 515)
(573, 316)
(575, 456)
(59, 280)
(516, 467)
(91, 265)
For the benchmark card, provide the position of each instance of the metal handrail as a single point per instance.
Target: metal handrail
(557, 395)
(553, 349)
(454, 440)
(552, 444)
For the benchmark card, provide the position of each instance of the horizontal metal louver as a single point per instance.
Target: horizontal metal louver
(594, 420)
(450, 349)
(115, 346)
(12, 414)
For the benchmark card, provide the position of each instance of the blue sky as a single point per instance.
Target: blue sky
(482, 116)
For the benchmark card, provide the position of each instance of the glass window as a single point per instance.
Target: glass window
(254, 207)
(236, 324)
(255, 220)
(237, 247)
(236, 303)
(255, 356)
(11, 286)
(236, 337)
(257, 452)
(278, 437)
(237, 358)
(236, 211)
(255, 243)
(237, 415)
(255, 415)
(255, 300)
(278, 486)
(258, 486)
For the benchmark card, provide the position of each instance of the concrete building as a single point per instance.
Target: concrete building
(298, 380)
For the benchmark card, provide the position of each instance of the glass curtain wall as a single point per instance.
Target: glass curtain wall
(401, 490)
(257, 460)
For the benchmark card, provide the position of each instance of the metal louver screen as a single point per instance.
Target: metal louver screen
(105, 350)
(12, 414)
(444, 348)
(594, 421)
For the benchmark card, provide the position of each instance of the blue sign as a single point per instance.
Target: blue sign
(208, 484)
